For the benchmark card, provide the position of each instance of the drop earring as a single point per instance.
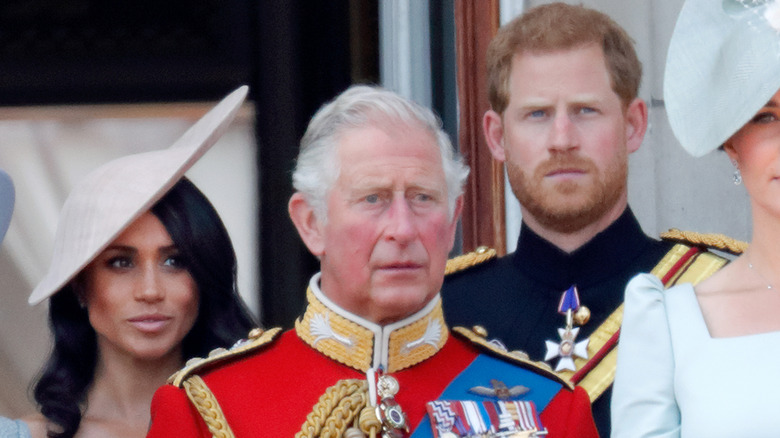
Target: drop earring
(737, 174)
(79, 296)
(737, 178)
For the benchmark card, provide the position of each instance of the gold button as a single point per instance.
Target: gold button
(582, 315)
(194, 361)
(520, 354)
(216, 351)
(544, 365)
(480, 331)
(255, 333)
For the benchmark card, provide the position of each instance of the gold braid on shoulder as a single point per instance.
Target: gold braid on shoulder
(342, 406)
(717, 241)
(257, 339)
(461, 262)
(204, 401)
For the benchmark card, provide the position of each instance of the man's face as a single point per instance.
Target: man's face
(565, 137)
(388, 231)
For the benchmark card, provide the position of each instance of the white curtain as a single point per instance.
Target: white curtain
(46, 150)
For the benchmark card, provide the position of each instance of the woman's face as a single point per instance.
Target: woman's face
(140, 297)
(755, 148)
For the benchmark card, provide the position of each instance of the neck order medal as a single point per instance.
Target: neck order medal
(567, 349)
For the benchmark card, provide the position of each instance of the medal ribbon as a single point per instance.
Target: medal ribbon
(570, 300)
(476, 374)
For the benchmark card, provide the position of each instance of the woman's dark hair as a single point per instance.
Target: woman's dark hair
(205, 248)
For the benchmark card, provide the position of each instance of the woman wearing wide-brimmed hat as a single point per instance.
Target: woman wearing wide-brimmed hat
(142, 277)
(700, 361)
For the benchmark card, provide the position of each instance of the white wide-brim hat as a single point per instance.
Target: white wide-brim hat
(723, 65)
(102, 205)
(6, 202)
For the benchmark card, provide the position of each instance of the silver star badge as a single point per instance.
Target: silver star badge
(567, 349)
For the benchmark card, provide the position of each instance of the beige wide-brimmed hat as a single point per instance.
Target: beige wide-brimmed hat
(6, 202)
(102, 205)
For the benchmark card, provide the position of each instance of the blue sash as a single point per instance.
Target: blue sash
(479, 373)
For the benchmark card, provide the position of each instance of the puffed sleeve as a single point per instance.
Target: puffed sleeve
(643, 401)
(174, 416)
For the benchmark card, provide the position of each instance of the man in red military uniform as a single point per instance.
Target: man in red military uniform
(378, 194)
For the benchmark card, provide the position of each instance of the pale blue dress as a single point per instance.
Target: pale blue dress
(674, 380)
(13, 428)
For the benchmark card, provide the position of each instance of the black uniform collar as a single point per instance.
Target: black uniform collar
(608, 253)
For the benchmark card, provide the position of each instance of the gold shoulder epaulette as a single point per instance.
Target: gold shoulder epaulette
(717, 241)
(461, 262)
(256, 339)
(478, 336)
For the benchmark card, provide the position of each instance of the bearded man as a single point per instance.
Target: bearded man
(563, 85)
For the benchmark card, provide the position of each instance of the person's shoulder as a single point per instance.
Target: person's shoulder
(481, 266)
(480, 258)
(519, 359)
(646, 291)
(716, 241)
(258, 340)
(202, 383)
(643, 284)
(694, 256)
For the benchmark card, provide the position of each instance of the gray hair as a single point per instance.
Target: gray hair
(360, 105)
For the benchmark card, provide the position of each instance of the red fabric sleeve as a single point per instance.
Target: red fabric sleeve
(174, 416)
(569, 416)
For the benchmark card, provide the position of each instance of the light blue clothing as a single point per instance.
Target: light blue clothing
(674, 380)
(13, 428)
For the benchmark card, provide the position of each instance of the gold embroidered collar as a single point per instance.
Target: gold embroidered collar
(361, 344)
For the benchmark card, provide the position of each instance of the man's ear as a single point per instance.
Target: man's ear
(309, 227)
(493, 127)
(636, 124)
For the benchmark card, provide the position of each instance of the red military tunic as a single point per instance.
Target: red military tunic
(269, 391)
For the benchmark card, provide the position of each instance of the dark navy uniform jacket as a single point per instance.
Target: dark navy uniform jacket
(516, 297)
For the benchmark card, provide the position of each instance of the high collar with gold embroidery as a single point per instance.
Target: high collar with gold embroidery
(361, 344)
